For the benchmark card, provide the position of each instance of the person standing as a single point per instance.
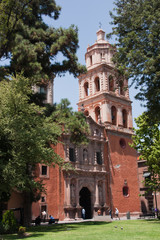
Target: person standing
(44, 215)
(83, 213)
(117, 213)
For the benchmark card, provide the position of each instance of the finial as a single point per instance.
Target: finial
(100, 25)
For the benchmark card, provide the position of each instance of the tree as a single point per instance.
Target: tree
(147, 142)
(136, 27)
(31, 46)
(26, 136)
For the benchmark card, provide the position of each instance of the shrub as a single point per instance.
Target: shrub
(21, 230)
(9, 222)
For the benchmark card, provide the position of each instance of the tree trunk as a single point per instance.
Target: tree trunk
(27, 209)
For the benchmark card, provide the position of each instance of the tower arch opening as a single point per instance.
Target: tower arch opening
(85, 201)
(121, 88)
(97, 114)
(86, 89)
(114, 115)
(97, 84)
(111, 83)
(124, 118)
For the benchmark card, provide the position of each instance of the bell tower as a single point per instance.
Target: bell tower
(99, 93)
(105, 98)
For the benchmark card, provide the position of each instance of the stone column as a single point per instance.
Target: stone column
(108, 113)
(104, 192)
(119, 116)
(96, 194)
(129, 119)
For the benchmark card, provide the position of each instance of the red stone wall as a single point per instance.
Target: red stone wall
(54, 184)
(123, 166)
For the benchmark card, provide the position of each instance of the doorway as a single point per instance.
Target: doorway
(85, 201)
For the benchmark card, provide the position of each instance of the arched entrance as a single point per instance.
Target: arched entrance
(85, 201)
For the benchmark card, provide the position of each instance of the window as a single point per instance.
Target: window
(97, 84)
(43, 199)
(97, 114)
(114, 115)
(121, 88)
(44, 170)
(72, 154)
(86, 89)
(99, 158)
(124, 118)
(111, 83)
(125, 191)
(91, 60)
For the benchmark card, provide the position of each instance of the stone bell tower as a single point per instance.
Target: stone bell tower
(106, 100)
(99, 93)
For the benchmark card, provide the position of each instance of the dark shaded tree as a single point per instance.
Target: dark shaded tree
(26, 136)
(136, 27)
(31, 46)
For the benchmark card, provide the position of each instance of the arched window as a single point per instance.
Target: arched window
(90, 60)
(121, 88)
(97, 84)
(114, 115)
(111, 83)
(86, 89)
(97, 114)
(124, 118)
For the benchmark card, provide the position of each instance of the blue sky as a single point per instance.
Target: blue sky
(86, 15)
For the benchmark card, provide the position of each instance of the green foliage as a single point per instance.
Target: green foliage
(74, 123)
(136, 27)
(147, 142)
(26, 134)
(9, 222)
(31, 45)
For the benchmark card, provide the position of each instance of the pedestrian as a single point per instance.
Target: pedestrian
(99, 212)
(117, 213)
(51, 220)
(44, 215)
(83, 213)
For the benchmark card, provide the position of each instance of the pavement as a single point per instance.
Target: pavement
(98, 218)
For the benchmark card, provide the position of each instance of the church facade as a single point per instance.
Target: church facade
(105, 172)
(104, 175)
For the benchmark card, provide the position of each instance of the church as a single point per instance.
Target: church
(105, 174)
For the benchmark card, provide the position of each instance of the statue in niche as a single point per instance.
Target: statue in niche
(85, 155)
(73, 194)
(100, 191)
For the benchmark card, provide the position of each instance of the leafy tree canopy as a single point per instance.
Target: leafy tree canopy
(26, 134)
(31, 46)
(147, 142)
(136, 27)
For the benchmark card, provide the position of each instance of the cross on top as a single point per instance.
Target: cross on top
(100, 25)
